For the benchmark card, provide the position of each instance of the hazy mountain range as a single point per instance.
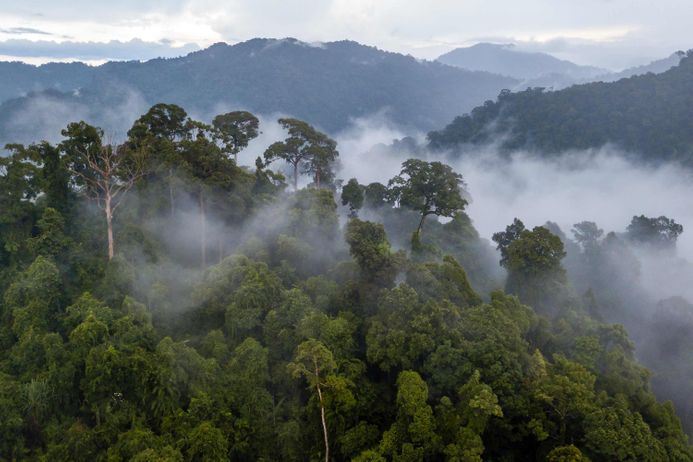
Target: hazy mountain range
(326, 84)
(535, 69)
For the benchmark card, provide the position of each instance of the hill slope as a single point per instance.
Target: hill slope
(327, 85)
(650, 114)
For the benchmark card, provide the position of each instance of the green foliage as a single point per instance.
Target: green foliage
(305, 148)
(368, 245)
(568, 453)
(353, 196)
(644, 114)
(430, 188)
(306, 340)
(503, 239)
(534, 269)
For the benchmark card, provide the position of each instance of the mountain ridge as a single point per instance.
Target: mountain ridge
(327, 84)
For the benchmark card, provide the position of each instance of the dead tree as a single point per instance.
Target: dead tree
(108, 173)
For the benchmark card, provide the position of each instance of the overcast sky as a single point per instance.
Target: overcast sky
(608, 33)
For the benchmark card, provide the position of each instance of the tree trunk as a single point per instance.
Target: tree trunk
(203, 230)
(296, 176)
(170, 191)
(221, 248)
(109, 227)
(421, 223)
(324, 422)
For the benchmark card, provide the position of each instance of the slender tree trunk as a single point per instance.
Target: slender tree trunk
(109, 226)
(421, 223)
(324, 422)
(296, 176)
(170, 191)
(317, 179)
(221, 248)
(203, 230)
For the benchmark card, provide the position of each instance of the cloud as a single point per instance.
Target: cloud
(23, 30)
(113, 50)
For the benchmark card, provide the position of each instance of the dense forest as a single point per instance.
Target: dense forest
(161, 303)
(648, 115)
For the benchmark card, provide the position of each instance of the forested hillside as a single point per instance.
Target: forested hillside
(326, 84)
(649, 115)
(160, 303)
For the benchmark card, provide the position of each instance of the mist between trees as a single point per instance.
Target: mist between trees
(266, 312)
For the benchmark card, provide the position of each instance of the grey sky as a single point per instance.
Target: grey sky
(607, 33)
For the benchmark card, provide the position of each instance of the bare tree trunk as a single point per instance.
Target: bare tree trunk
(109, 226)
(421, 223)
(324, 422)
(203, 230)
(107, 181)
(221, 248)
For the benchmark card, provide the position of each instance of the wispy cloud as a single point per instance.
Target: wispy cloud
(23, 31)
(89, 51)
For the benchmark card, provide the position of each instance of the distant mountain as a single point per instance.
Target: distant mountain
(655, 67)
(522, 65)
(326, 84)
(650, 115)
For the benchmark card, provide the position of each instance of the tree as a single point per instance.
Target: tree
(314, 362)
(207, 443)
(323, 153)
(234, 130)
(352, 195)
(106, 172)
(370, 248)
(413, 434)
(19, 188)
(660, 232)
(430, 188)
(162, 121)
(503, 239)
(375, 195)
(568, 453)
(304, 145)
(160, 131)
(587, 234)
(534, 268)
(211, 171)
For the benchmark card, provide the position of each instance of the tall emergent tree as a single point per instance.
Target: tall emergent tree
(160, 131)
(431, 188)
(315, 362)
(234, 130)
(305, 146)
(106, 171)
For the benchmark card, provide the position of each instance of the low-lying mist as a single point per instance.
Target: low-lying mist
(604, 185)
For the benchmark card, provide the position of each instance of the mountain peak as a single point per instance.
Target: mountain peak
(506, 59)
